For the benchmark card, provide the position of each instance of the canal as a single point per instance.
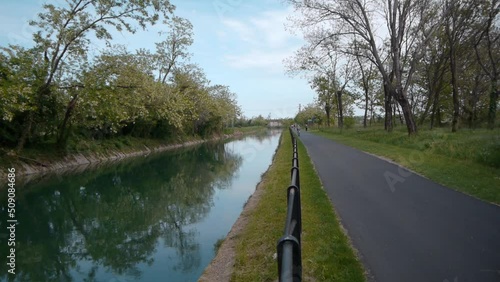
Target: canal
(153, 218)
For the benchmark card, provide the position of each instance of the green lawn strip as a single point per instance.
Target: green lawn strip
(326, 252)
(466, 176)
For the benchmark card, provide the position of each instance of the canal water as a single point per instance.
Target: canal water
(154, 218)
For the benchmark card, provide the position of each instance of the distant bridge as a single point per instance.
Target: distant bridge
(274, 123)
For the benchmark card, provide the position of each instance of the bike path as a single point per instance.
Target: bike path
(412, 230)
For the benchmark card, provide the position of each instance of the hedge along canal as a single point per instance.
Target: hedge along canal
(143, 219)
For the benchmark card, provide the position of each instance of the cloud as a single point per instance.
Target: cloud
(266, 30)
(243, 31)
(261, 42)
(271, 27)
(261, 59)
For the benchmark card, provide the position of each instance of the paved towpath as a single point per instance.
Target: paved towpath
(406, 227)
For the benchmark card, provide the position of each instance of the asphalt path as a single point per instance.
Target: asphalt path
(405, 227)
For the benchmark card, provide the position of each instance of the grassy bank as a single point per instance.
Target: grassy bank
(326, 252)
(467, 161)
(46, 153)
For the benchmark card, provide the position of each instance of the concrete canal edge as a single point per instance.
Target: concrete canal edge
(81, 161)
(220, 268)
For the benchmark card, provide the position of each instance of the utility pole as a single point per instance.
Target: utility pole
(299, 107)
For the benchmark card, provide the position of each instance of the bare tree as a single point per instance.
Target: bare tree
(348, 20)
(330, 74)
(432, 69)
(367, 71)
(460, 15)
(488, 40)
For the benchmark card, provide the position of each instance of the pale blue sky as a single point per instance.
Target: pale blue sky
(238, 43)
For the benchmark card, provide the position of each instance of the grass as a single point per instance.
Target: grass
(326, 251)
(467, 161)
(218, 243)
(245, 129)
(48, 152)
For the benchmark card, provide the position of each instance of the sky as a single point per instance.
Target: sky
(237, 43)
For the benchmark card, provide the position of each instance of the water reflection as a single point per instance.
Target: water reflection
(114, 223)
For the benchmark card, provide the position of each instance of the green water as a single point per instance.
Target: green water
(154, 218)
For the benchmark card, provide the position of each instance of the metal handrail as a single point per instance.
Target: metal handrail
(289, 253)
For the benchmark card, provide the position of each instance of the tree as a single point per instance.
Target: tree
(174, 47)
(326, 94)
(116, 78)
(330, 75)
(312, 113)
(63, 38)
(350, 21)
(487, 39)
(432, 71)
(225, 104)
(22, 74)
(460, 16)
(366, 74)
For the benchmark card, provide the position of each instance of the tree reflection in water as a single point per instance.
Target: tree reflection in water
(112, 220)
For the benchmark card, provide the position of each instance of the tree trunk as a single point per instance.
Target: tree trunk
(42, 91)
(427, 108)
(28, 122)
(456, 103)
(371, 113)
(394, 112)
(366, 109)
(472, 102)
(341, 114)
(406, 108)
(435, 109)
(63, 136)
(401, 116)
(492, 109)
(327, 110)
(410, 122)
(388, 125)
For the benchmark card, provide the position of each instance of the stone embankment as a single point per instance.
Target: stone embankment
(81, 161)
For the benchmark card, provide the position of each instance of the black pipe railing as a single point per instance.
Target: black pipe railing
(289, 254)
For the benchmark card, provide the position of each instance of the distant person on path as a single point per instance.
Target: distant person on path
(306, 126)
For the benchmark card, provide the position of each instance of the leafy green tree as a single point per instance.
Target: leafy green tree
(174, 48)
(63, 39)
(326, 94)
(116, 78)
(225, 103)
(22, 75)
(312, 113)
